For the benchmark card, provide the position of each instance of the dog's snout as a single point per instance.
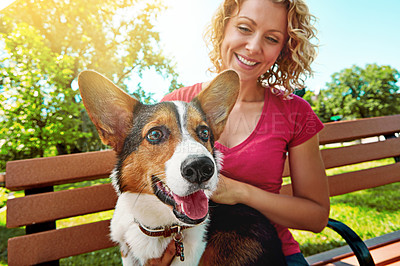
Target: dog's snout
(197, 169)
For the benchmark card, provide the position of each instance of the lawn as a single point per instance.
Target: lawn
(370, 213)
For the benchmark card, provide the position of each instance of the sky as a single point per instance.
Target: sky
(351, 32)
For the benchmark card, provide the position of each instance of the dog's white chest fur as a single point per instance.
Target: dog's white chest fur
(138, 247)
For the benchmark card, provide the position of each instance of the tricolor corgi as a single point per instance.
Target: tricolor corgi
(166, 171)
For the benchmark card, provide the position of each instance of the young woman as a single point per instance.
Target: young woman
(268, 43)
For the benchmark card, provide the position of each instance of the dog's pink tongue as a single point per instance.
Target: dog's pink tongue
(195, 206)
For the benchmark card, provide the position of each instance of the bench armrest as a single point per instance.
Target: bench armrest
(354, 241)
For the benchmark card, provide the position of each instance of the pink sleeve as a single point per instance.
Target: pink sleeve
(306, 123)
(185, 94)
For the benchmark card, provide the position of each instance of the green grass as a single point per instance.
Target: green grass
(3, 197)
(110, 256)
(371, 213)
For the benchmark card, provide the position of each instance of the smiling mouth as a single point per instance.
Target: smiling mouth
(190, 209)
(245, 61)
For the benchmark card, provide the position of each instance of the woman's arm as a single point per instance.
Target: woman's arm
(308, 206)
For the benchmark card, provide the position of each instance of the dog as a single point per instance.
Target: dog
(166, 171)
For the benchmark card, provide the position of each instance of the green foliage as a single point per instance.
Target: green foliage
(3, 197)
(46, 44)
(370, 213)
(360, 92)
(310, 97)
(36, 112)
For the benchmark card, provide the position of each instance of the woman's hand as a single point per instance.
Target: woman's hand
(229, 191)
(166, 258)
(306, 207)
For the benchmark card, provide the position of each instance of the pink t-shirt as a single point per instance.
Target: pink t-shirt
(259, 160)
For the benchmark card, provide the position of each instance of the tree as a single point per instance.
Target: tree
(360, 92)
(47, 43)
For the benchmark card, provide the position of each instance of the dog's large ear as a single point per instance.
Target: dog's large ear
(109, 107)
(218, 99)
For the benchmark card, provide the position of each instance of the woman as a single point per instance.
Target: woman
(267, 42)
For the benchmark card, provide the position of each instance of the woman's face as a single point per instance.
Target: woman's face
(254, 38)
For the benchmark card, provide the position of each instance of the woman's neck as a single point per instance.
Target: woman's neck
(251, 92)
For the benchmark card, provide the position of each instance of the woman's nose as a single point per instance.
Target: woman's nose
(254, 44)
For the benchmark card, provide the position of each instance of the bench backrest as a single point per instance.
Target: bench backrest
(41, 206)
(341, 145)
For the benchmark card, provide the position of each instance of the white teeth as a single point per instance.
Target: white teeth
(183, 209)
(245, 61)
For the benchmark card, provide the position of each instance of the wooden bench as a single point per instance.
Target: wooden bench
(41, 206)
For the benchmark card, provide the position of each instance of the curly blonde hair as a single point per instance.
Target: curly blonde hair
(293, 64)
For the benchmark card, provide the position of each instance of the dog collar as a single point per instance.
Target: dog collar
(166, 231)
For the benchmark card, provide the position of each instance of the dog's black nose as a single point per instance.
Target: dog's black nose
(197, 169)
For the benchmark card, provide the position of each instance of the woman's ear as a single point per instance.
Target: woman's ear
(109, 107)
(218, 99)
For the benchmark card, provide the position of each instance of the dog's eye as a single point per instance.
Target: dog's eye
(203, 133)
(155, 136)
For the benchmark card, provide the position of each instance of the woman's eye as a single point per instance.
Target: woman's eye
(204, 134)
(154, 136)
(271, 39)
(243, 29)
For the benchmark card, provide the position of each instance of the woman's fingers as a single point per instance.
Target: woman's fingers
(166, 258)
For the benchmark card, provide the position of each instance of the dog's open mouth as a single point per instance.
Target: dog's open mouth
(191, 209)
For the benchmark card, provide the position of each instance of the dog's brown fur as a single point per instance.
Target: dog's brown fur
(250, 238)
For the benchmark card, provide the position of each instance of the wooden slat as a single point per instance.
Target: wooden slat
(364, 179)
(358, 153)
(356, 129)
(57, 244)
(386, 254)
(58, 205)
(40, 172)
(341, 253)
(382, 256)
(361, 153)
(359, 180)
